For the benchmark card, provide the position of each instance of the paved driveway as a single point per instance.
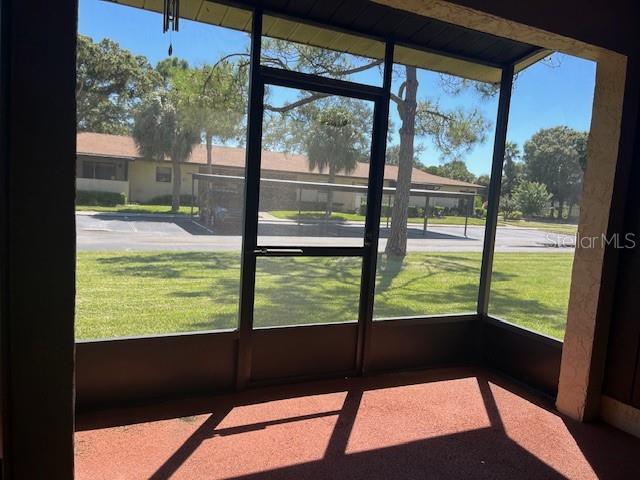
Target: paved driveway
(102, 231)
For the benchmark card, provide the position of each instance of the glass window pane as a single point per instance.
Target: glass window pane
(304, 290)
(292, 45)
(163, 174)
(436, 176)
(314, 169)
(158, 248)
(541, 190)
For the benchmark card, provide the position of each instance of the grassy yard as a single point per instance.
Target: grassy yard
(124, 293)
(136, 208)
(562, 228)
(356, 217)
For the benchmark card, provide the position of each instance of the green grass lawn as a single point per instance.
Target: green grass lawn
(561, 228)
(569, 229)
(125, 294)
(356, 217)
(136, 208)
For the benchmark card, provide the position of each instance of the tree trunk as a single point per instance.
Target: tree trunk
(332, 179)
(177, 184)
(209, 152)
(206, 203)
(397, 243)
(560, 208)
(570, 212)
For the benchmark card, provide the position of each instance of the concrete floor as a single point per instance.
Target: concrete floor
(437, 424)
(130, 232)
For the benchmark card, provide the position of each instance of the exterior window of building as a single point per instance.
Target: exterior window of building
(163, 174)
(99, 170)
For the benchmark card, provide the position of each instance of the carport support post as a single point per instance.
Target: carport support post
(388, 210)
(495, 184)
(299, 204)
(466, 216)
(425, 215)
(193, 186)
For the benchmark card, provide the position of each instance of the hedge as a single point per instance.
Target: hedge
(102, 199)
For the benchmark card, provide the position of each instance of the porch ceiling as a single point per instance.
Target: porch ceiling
(436, 45)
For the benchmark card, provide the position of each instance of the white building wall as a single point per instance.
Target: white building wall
(143, 185)
(97, 185)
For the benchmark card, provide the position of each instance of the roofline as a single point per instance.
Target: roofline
(339, 186)
(102, 155)
(122, 157)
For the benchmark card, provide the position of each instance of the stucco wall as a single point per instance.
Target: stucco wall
(96, 185)
(142, 180)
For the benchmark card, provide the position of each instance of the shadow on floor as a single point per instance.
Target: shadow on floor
(487, 451)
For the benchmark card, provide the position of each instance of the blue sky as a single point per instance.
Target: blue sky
(543, 96)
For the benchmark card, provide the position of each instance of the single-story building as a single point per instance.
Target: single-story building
(112, 163)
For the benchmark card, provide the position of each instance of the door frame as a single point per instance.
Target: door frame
(260, 77)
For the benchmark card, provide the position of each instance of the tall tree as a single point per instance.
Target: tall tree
(160, 133)
(485, 181)
(213, 100)
(553, 157)
(169, 67)
(336, 144)
(333, 132)
(453, 133)
(110, 82)
(513, 168)
(455, 169)
(393, 156)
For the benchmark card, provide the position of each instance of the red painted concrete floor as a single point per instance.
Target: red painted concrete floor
(434, 424)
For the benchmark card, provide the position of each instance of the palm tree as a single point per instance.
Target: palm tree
(159, 133)
(335, 143)
(213, 99)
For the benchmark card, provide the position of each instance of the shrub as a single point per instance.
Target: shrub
(102, 199)
(508, 208)
(515, 215)
(531, 197)
(480, 212)
(437, 211)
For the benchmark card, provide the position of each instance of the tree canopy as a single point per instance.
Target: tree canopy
(555, 157)
(213, 99)
(110, 83)
(455, 169)
(513, 170)
(531, 197)
(160, 133)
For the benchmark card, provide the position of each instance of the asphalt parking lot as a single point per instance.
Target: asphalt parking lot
(135, 232)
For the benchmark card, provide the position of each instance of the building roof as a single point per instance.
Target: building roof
(117, 146)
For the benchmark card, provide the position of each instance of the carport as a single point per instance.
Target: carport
(387, 192)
